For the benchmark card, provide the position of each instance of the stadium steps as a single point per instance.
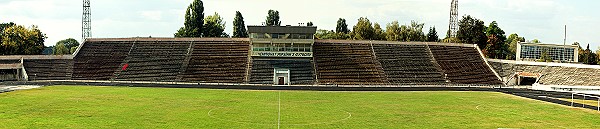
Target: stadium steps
(344, 63)
(463, 65)
(154, 61)
(99, 60)
(218, 61)
(408, 64)
(49, 69)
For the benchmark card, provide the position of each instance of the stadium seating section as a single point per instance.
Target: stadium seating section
(227, 60)
(301, 71)
(218, 61)
(463, 65)
(99, 60)
(347, 63)
(408, 64)
(552, 75)
(49, 69)
(153, 61)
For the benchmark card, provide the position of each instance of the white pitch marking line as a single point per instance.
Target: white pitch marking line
(477, 107)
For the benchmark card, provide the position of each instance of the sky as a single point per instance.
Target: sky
(544, 20)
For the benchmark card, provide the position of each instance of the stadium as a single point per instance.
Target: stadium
(286, 78)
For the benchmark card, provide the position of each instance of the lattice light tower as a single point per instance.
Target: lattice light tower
(86, 20)
(453, 27)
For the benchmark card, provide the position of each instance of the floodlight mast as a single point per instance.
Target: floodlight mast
(453, 26)
(86, 20)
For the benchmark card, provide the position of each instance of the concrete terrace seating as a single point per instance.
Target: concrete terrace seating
(99, 60)
(221, 60)
(566, 74)
(49, 69)
(463, 65)
(408, 64)
(347, 63)
(301, 71)
(154, 61)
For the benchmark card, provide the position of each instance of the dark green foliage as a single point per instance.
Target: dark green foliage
(587, 56)
(310, 23)
(60, 49)
(214, 26)
(472, 31)
(512, 41)
(239, 27)
(363, 30)
(397, 32)
(18, 40)
(342, 27)
(325, 34)
(273, 18)
(496, 44)
(194, 21)
(69, 43)
(378, 34)
(432, 36)
(544, 57)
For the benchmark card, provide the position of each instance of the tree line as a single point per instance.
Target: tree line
(20, 40)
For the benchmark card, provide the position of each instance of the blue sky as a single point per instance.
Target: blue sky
(533, 19)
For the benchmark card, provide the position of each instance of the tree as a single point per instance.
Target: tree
(70, 44)
(18, 40)
(4, 26)
(194, 21)
(363, 30)
(73, 49)
(239, 27)
(432, 36)
(544, 57)
(512, 41)
(494, 29)
(588, 57)
(342, 27)
(378, 34)
(214, 26)
(325, 34)
(392, 32)
(273, 18)
(472, 31)
(60, 49)
(535, 41)
(309, 23)
(415, 32)
(496, 47)
(451, 40)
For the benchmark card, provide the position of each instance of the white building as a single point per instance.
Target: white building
(533, 51)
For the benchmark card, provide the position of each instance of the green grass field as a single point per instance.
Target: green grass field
(126, 107)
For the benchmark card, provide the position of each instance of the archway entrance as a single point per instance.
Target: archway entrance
(281, 76)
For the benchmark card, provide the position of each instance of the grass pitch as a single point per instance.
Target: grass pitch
(125, 107)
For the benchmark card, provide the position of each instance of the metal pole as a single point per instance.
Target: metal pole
(565, 44)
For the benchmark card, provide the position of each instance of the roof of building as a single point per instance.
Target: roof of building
(549, 45)
(283, 29)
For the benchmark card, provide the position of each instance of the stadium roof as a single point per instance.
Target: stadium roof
(283, 29)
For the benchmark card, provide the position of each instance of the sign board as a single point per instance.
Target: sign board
(281, 54)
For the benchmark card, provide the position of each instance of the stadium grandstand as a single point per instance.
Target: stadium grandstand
(273, 55)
